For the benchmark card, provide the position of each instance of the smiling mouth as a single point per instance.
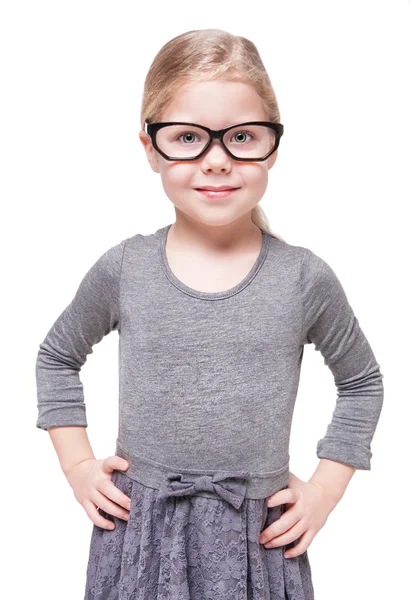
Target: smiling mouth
(216, 194)
(224, 189)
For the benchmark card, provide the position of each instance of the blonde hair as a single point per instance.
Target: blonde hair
(205, 55)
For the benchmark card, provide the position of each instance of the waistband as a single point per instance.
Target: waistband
(206, 483)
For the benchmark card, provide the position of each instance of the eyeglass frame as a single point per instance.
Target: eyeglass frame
(152, 128)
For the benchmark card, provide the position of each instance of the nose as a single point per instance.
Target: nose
(216, 157)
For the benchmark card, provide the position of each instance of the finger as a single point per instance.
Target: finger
(112, 463)
(112, 492)
(285, 496)
(288, 537)
(92, 511)
(301, 546)
(111, 508)
(285, 522)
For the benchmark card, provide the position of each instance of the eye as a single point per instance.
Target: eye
(188, 134)
(241, 134)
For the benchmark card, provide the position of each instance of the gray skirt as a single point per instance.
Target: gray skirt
(180, 546)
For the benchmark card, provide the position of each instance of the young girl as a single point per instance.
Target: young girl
(213, 312)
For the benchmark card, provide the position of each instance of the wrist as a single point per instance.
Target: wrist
(68, 468)
(72, 446)
(332, 478)
(333, 495)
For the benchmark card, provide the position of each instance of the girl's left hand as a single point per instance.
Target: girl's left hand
(311, 504)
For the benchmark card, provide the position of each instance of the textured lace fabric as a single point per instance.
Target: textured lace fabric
(180, 546)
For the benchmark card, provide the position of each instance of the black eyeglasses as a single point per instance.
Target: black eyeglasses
(257, 139)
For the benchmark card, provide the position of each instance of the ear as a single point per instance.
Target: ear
(150, 151)
(272, 159)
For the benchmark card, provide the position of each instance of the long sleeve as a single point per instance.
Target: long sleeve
(92, 314)
(331, 325)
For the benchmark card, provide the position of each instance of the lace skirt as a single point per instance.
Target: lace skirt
(180, 546)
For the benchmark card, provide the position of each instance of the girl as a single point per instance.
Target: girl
(213, 312)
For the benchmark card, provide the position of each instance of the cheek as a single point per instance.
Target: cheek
(255, 180)
(255, 175)
(177, 176)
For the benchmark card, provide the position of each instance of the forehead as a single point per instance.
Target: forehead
(216, 104)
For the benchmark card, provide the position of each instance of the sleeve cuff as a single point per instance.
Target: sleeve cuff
(354, 455)
(58, 416)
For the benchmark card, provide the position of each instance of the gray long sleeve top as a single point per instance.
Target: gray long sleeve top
(208, 380)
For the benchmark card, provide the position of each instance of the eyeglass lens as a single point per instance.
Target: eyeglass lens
(187, 141)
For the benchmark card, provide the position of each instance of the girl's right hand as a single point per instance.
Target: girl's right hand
(93, 488)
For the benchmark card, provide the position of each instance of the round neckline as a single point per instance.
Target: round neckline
(211, 295)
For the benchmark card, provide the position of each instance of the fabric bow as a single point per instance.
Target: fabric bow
(230, 486)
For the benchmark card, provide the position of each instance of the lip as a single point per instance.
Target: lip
(212, 188)
(219, 193)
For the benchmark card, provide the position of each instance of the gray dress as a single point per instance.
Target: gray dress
(177, 545)
(207, 388)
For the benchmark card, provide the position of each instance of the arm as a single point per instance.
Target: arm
(92, 314)
(71, 445)
(331, 325)
(333, 478)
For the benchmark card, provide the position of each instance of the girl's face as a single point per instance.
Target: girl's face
(214, 104)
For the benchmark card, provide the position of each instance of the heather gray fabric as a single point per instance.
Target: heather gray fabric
(208, 381)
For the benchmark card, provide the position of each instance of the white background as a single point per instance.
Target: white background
(75, 181)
